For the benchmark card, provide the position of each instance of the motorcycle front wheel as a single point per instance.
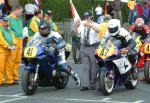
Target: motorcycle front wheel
(106, 80)
(28, 85)
(147, 71)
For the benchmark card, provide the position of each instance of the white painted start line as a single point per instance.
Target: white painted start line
(15, 97)
(20, 96)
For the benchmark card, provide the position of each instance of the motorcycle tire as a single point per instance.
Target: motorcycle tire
(132, 83)
(105, 89)
(26, 85)
(147, 72)
(61, 81)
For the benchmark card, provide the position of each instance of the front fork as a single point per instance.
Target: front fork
(36, 73)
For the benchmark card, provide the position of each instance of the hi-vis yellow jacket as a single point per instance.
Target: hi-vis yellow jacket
(7, 38)
(33, 26)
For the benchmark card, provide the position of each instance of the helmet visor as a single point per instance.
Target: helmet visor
(113, 30)
(44, 31)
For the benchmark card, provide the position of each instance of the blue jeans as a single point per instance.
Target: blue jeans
(100, 19)
(132, 16)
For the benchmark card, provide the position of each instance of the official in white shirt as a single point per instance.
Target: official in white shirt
(99, 13)
(88, 31)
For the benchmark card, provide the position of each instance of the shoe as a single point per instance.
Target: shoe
(7, 85)
(2, 85)
(16, 82)
(99, 89)
(92, 88)
(84, 89)
(142, 78)
(77, 79)
(76, 62)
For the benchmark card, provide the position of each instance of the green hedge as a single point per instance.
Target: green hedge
(61, 8)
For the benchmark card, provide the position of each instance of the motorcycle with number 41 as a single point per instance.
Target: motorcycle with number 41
(41, 68)
(115, 69)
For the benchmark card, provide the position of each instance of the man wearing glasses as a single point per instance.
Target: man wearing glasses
(88, 30)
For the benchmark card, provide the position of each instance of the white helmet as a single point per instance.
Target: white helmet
(114, 26)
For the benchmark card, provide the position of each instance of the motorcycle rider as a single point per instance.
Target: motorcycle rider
(121, 39)
(143, 30)
(58, 44)
(140, 28)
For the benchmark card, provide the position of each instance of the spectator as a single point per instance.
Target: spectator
(76, 45)
(48, 17)
(131, 6)
(117, 5)
(16, 25)
(7, 7)
(34, 23)
(6, 45)
(99, 12)
(109, 9)
(29, 11)
(89, 38)
(104, 26)
(145, 12)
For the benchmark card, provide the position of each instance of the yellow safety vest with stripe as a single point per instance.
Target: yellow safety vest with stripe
(33, 26)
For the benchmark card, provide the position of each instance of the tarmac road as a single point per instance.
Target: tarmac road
(72, 94)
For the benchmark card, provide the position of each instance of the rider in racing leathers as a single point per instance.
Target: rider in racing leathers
(58, 43)
(121, 39)
(140, 29)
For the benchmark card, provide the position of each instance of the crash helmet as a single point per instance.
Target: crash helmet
(139, 23)
(114, 26)
(44, 28)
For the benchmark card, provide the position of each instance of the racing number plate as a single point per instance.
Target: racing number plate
(147, 49)
(105, 52)
(138, 43)
(30, 52)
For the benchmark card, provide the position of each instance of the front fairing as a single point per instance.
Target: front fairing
(105, 57)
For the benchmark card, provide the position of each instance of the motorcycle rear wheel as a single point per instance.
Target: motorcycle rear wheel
(61, 81)
(28, 86)
(147, 72)
(133, 81)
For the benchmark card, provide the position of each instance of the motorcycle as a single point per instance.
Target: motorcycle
(114, 70)
(41, 68)
(144, 53)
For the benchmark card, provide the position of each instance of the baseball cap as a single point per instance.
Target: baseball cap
(4, 17)
(49, 12)
(88, 14)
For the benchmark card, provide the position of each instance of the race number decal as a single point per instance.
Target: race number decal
(147, 49)
(30, 52)
(138, 43)
(105, 52)
(123, 65)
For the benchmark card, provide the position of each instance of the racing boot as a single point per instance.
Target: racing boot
(74, 76)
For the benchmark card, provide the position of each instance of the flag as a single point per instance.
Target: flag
(75, 14)
(2, 4)
(37, 4)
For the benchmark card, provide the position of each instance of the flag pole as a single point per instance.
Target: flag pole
(105, 7)
(39, 4)
(93, 7)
